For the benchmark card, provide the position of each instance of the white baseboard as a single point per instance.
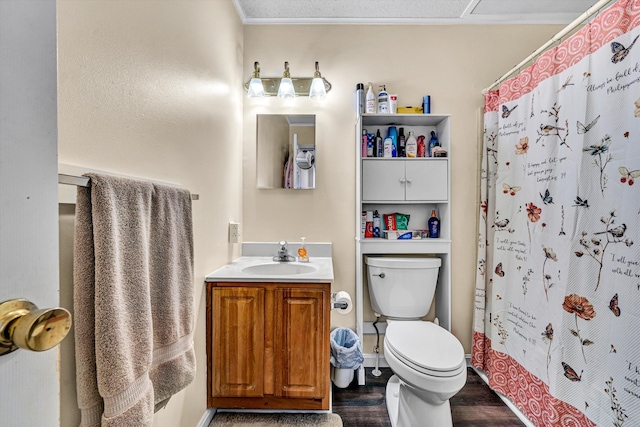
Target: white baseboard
(207, 417)
(370, 361)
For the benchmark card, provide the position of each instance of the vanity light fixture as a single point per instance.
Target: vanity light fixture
(286, 90)
(287, 87)
(255, 89)
(317, 91)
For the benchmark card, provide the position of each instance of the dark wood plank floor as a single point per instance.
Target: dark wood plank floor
(476, 405)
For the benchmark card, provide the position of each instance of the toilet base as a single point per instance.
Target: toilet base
(407, 410)
(393, 399)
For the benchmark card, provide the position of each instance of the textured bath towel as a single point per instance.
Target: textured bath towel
(133, 299)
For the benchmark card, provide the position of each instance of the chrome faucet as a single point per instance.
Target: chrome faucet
(283, 253)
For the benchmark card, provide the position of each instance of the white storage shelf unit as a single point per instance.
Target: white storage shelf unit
(413, 186)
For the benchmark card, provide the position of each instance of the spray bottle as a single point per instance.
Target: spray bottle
(360, 98)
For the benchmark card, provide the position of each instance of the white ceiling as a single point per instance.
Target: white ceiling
(411, 11)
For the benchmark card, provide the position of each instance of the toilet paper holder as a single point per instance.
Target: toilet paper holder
(339, 304)
(341, 301)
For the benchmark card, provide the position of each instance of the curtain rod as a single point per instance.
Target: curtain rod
(83, 181)
(592, 10)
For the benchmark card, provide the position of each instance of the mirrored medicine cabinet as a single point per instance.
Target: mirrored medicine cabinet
(286, 151)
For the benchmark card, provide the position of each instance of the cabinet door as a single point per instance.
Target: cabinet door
(302, 343)
(383, 180)
(238, 342)
(427, 180)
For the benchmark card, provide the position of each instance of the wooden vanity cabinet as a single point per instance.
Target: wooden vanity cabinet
(268, 345)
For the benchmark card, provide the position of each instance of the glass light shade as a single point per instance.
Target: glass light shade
(317, 90)
(256, 89)
(286, 89)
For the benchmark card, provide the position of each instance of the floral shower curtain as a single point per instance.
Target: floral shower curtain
(557, 316)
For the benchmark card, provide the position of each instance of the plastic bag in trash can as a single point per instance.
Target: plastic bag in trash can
(346, 351)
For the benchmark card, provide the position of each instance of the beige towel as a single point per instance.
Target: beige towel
(133, 299)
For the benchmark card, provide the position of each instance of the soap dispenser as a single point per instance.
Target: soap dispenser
(383, 100)
(302, 252)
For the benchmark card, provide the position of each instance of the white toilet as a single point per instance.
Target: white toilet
(427, 360)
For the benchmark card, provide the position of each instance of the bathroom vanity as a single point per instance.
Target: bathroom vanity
(268, 327)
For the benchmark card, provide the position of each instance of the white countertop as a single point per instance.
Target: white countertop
(262, 254)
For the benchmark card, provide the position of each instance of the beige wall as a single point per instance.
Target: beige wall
(153, 89)
(451, 63)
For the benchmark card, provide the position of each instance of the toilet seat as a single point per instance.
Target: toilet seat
(426, 348)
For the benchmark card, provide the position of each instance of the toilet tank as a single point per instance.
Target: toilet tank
(402, 288)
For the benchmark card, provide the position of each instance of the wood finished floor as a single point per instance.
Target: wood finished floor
(476, 405)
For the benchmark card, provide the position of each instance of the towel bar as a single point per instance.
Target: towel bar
(83, 181)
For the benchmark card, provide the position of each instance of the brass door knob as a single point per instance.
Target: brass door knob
(23, 325)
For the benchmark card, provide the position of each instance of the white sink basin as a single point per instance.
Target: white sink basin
(279, 269)
(256, 265)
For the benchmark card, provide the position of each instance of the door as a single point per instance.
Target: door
(29, 200)
(237, 351)
(383, 180)
(427, 180)
(302, 338)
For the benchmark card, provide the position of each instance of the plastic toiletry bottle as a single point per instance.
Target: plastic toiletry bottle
(383, 101)
(302, 252)
(360, 98)
(364, 143)
(370, 102)
(426, 104)
(402, 140)
(434, 225)
(376, 224)
(393, 104)
(392, 133)
(421, 146)
(368, 231)
(412, 146)
(370, 141)
(379, 145)
(388, 147)
(432, 143)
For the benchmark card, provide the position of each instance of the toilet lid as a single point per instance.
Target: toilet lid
(426, 347)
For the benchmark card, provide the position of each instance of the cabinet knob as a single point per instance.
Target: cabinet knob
(403, 180)
(23, 325)
(409, 180)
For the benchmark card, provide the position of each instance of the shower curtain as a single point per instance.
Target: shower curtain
(557, 311)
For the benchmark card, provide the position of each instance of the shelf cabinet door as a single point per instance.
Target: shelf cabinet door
(426, 180)
(238, 342)
(383, 180)
(302, 343)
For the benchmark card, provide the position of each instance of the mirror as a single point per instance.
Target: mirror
(286, 151)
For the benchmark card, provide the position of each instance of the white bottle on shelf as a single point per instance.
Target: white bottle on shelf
(370, 105)
(411, 145)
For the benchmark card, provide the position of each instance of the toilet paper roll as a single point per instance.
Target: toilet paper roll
(343, 296)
